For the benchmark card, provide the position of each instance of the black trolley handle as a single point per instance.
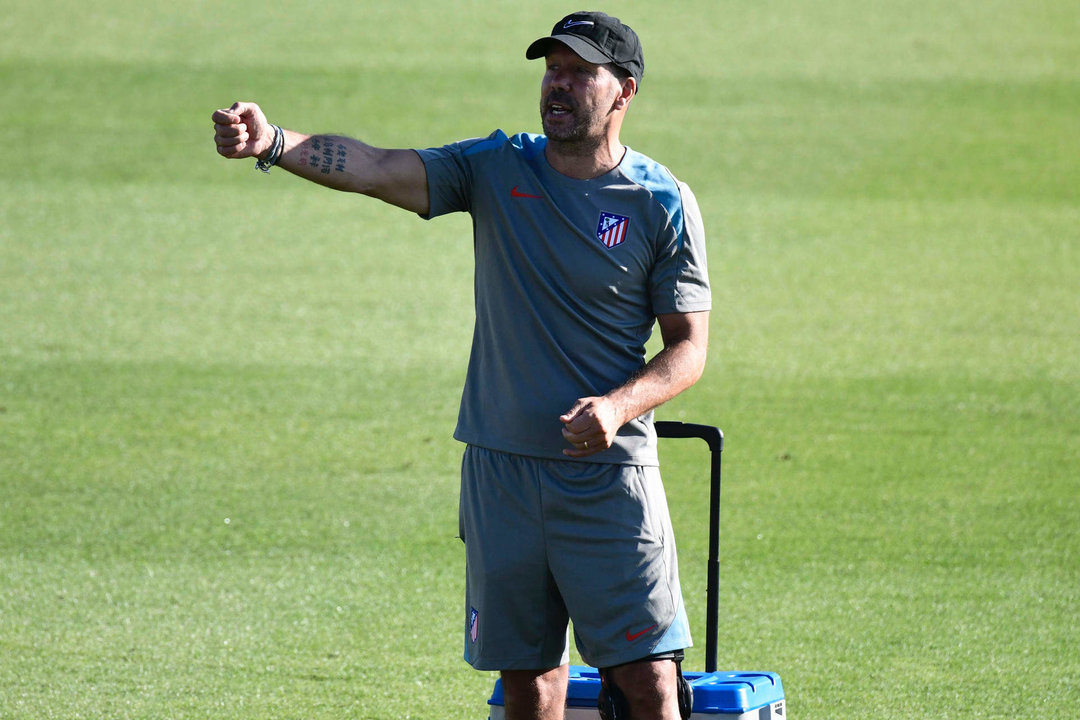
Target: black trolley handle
(715, 438)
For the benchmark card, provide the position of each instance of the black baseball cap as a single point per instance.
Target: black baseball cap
(597, 38)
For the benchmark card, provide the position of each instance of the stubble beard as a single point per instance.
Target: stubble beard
(580, 137)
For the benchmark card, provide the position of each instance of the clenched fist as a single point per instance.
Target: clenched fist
(242, 131)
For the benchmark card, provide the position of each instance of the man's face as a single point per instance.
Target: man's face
(576, 97)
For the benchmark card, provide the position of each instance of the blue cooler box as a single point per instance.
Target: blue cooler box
(717, 696)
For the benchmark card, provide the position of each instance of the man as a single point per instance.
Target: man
(581, 245)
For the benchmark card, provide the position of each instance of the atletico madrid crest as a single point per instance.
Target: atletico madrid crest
(611, 230)
(474, 624)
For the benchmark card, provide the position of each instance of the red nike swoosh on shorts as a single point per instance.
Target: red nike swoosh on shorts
(635, 636)
(514, 192)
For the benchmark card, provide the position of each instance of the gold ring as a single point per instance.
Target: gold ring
(586, 442)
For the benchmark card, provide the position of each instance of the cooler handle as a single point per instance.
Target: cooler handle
(714, 436)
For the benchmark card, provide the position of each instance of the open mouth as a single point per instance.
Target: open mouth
(558, 105)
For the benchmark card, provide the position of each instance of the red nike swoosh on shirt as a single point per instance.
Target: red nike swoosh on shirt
(519, 194)
(635, 636)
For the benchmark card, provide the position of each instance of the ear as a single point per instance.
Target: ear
(627, 91)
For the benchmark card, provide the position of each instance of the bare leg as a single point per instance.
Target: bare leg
(650, 689)
(535, 694)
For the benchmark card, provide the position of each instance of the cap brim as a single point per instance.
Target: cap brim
(579, 45)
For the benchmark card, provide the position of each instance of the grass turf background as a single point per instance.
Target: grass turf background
(228, 487)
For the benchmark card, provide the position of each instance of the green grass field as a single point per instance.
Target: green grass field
(227, 482)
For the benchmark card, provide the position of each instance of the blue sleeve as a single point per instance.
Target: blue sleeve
(680, 278)
(691, 291)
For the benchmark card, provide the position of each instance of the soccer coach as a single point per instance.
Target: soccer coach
(581, 245)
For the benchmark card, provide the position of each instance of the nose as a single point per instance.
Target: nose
(559, 78)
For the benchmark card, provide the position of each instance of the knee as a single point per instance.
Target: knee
(534, 693)
(649, 688)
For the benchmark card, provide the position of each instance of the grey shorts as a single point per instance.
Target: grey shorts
(549, 541)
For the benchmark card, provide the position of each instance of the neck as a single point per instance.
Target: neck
(583, 161)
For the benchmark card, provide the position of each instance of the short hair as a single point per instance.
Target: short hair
(619, 72)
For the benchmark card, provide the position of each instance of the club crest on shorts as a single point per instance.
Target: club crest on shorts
(474, 624)
(611, 230)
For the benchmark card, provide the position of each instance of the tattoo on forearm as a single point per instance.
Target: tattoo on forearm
(324, 155)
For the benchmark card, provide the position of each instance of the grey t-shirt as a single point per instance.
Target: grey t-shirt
(570, 276)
